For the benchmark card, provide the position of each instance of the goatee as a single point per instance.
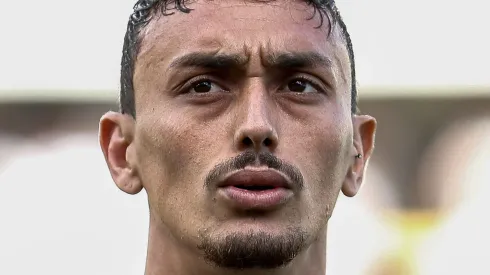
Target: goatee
(246, 250)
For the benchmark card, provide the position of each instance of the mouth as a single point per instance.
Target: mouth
(248, 189)
(255, 187)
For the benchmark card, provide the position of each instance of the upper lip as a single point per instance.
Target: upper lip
(256, 177)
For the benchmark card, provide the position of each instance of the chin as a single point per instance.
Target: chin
(253, 246)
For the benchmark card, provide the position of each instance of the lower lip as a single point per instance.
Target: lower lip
(262, 199)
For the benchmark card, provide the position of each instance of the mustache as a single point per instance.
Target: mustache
(250, 158)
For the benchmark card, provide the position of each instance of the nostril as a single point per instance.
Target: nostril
(247, 142)
(250, 142)
(267, 142)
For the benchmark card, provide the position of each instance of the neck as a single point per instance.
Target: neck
(168, 255)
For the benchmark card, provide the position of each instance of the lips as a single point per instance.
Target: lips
(256, 189)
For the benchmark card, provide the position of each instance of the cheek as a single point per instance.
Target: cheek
(175, 154)
(171, 156)
(324, 159)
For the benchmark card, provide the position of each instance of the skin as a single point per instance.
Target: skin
(179, 136)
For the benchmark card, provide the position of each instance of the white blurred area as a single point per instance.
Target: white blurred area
(60, 213)
(459, 244)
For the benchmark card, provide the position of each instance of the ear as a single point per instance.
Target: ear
(116, 133)
(363, 144)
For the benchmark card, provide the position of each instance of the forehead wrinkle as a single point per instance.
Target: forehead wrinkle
(159, 19)
(150, 47)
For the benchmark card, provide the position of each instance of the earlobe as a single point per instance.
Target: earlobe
(354, 177)
(116, 132)
(363, 146)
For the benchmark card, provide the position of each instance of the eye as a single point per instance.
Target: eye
(300, 85)
(205, 86)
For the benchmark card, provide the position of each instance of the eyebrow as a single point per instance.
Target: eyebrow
(279, 61)
(209, 61)
(297, 60)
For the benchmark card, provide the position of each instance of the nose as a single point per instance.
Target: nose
(256, 129)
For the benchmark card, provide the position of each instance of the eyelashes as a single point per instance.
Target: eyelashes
(298, 84)
(204, 85)
(301, 85)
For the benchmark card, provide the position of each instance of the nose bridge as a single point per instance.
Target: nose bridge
(256, 113)
(255, 127)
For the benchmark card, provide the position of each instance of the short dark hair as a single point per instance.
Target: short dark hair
(143, 11)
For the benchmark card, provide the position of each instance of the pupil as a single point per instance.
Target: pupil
(203, 87)
(297, 86)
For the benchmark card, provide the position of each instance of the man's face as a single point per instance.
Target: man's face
(243, 135)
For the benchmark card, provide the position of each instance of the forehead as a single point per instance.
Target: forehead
(239, 26)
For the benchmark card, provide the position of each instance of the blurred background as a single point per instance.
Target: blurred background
(423, 73)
